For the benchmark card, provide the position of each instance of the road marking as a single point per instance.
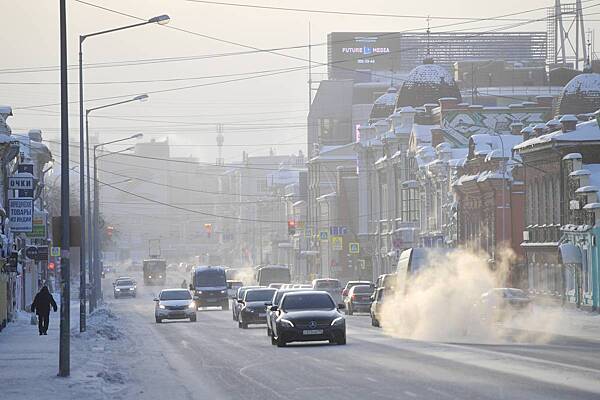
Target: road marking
(340, 369)
(411, 394)
(371, 379)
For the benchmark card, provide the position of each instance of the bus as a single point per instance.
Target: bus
(209, 287)
(155, 271)
(273, 274)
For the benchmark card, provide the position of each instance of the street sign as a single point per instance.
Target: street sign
(354, 248)
(55, 251)
(337, 243)
(38, 230)
(39, 253)
(20, 214)
(324, 235)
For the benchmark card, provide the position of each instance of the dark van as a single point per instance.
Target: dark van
(209, 287)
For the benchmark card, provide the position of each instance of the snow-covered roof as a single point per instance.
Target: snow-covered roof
(583, 83)
(587, 189)
(429, 73)
(573, 156)
(423, 132)
(585, 132)
(580, 172)
(485, 143)
(592, 206)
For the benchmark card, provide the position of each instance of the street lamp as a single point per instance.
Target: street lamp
(141, 97)
(96, 241)
(161, 20)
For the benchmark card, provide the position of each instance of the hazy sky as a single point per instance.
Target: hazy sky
(188, 117)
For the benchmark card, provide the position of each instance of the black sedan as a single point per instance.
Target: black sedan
(237, 305)
(308, 316)
(254, 306)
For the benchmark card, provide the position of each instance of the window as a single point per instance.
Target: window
(326, 129)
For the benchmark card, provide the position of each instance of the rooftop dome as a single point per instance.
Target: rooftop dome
(427, 83)
(384, 105)
(581, 95)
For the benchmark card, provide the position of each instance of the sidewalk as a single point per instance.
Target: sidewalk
(29, 362)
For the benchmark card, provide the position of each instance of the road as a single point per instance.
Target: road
(213, 357)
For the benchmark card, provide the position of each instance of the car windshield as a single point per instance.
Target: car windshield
(307, 301)
(329, 284)
(209, 277)
(125, 283)
(175, 295)
(259, 295)
(363, 289)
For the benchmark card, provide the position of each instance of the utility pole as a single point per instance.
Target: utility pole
(83, 244)
(64, 367)
(309, 69)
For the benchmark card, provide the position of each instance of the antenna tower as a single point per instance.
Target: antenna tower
(566, 35)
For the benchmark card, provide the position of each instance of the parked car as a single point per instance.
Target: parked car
(350, 284)
(124, 287)
(237, 306)
(308, 316)
(378, 298)
(359, 299)
(501, 303)
(174, 304)
(254, 306)
(301, 286)
(275, 301)
(331, 286)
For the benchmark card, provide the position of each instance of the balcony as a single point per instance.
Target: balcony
(549, 233)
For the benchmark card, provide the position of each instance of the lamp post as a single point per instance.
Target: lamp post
(96, 241)
(141, 97)
(161, 20)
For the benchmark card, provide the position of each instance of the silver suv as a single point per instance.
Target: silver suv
(124, 287)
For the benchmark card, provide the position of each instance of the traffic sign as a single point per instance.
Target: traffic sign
(55, 251)
(354, 248)
(337, 243)
(324, 235)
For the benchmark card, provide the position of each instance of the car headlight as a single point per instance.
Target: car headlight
(223, 291)
(117, 290)
(131, 288)
(161, 306)
(286, 322)
(338, 321)
(198, 291)
(192, 305)
(160, 276)
(149, 276)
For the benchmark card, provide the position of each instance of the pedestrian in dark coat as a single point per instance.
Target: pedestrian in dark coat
(41, 306)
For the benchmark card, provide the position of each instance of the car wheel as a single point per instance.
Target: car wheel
(342, 340)
(158, 320)
(193, 318)
(280, 342)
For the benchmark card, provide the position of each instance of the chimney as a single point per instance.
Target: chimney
(448, 103)
(539, 129)
(515, 128)
(437, 137)
(544, 101)
(569, 123)
(527, 133)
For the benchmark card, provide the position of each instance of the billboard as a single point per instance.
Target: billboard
(351, 51)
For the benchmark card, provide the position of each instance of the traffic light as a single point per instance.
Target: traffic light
(208, 229)
(291, 227)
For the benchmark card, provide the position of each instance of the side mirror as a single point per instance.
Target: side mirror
(341, 306)
(241, 301)
(156, 299)
(274, 308)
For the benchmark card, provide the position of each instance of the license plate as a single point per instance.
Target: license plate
(312, 332)
(262, 315)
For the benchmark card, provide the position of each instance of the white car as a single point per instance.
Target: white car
(174, 304)
(124, 287)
